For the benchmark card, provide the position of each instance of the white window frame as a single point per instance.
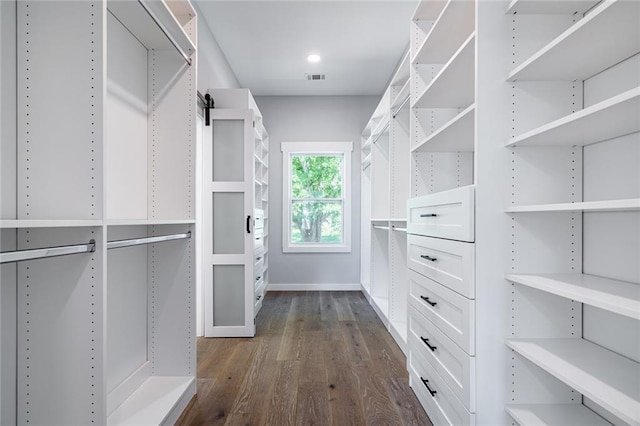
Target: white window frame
(316, 148)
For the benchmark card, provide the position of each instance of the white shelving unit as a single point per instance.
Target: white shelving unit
(603, 376)
(620, 297)
(572, 96)
(105, 336)
(443, 144)
(235, 219)
(385, 182)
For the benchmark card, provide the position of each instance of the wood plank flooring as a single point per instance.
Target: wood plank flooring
(318, 358)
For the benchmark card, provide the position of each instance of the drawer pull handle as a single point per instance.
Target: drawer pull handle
(426, 299)
(426, 383)
(426, 342)
(424, 256)
(428, 215)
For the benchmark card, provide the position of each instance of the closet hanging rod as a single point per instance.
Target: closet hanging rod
(400, 229)
(165, 32)
(401, 105)
(20, 255)
(381, 227)
(381, 133)
(146, 240)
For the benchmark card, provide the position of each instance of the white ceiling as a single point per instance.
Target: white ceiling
(267, 43)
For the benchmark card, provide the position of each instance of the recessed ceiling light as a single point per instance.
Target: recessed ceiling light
(313, 58)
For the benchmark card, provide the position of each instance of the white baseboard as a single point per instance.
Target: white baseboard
(314, 287)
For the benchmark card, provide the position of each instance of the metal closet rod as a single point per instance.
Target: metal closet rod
(146, 240)
(166, 33)
(401, 105)
(381, 227)
(373, 141)
(20, 255)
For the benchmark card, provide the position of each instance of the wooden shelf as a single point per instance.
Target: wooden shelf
(401, 77)
(135, 222)
(453, 86)
(614, 117)
(606, 36)
(381, 306)
(456, 135)
(609, 379)
(537, 7)
(428, 10)
(450, 30)
(137, 17)
(402, 96)
(554, 415)
(585, 206)
(620, 297)
(30, 223)
(155, 401)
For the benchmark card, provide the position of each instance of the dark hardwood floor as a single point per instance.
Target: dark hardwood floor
(318, 358)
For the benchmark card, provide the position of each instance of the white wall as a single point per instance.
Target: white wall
(313, 119)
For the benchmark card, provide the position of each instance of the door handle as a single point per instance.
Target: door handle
(249, 224)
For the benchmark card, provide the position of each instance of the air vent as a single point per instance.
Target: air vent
(316, 76)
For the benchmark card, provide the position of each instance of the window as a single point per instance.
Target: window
(316, 197)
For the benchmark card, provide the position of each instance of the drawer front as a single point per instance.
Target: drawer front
(258, 243)
(258, 221)
(448, 214)
(259, 266)
(454, 366)
(452, 313)
(442, 407)
(450, 263)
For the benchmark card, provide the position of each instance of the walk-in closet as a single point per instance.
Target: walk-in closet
(285, 212)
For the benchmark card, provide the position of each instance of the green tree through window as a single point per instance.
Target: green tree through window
(317, 198)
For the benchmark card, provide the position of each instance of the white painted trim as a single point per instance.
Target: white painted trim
(327, 148)
(314, 287)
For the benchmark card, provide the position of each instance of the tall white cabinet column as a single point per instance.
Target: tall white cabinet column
(385, 187)
(104, 159)
(524, 237)
(235, 214)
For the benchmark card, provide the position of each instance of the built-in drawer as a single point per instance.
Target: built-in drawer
(451, 263)
(258, 243)
(259, 265)
(451, 312)
(438, 400)
(258, 221)
(447, 214)
(455, 367)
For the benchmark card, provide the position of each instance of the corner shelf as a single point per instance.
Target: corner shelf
(607, 378)
(455, 135)
(453, 87)
(449, 31)
(554, 415)
(614, 117)
(620, 297)
(588, 47)
(632, 204)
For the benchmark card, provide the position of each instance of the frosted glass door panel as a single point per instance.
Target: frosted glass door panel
(228, 223)
(228, 295)
(228, 151)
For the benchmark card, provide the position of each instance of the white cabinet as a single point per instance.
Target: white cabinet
(385, 188)
(235, 216)
(98, 337)
(441, 211)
